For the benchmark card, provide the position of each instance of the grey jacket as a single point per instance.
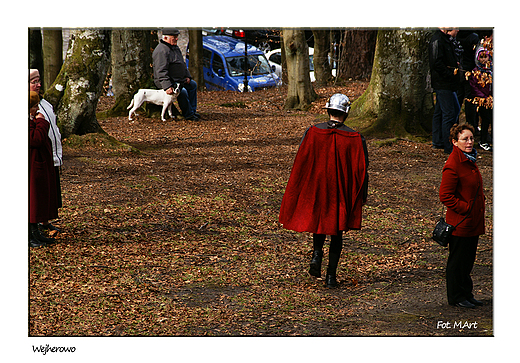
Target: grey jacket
(168, 66)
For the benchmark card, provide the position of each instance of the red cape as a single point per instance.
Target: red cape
(324, 194)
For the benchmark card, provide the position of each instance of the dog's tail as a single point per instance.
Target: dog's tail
(130, 105)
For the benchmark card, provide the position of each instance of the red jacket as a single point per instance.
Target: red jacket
(460, 181)
(42, 180)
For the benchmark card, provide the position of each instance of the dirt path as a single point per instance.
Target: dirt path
(183, 239)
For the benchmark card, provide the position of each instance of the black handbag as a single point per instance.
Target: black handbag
(442, 231)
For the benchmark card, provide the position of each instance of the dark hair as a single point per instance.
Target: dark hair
(335, 113)
(458, 128)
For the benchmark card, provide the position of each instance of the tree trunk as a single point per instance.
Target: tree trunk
(131, 66)
(397, 99)
(285, 78)
(300, 93)
(75, 92)
(35, 50)
(322, 69)
(52, 55)
(357, 54)
(195, 60)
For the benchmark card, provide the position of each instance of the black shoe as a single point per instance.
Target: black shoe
(476, 302)
(35, 234)
(465, 304)
(49, 227)
(35, 243)
(192, 118)
(47, 240)
(315, 269)
(330, 281)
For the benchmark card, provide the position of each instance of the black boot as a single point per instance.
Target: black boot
(330, 279)
(35, 233)
(336, 245)
(33, 241)
(317, 246)
(315, 269)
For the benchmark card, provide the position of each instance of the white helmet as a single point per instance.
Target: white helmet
(338, 102)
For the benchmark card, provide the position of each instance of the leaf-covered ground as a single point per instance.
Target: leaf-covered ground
(182, 238)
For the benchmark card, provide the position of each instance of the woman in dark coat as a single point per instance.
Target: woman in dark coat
(42, 181)
(461, 191)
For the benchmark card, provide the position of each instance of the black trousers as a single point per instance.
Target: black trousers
(336, 242)
(463, 251)
(486, 115)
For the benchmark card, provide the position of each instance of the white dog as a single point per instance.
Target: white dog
(155, 96)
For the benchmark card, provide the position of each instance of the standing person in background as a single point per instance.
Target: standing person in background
(481, 83)
(47, 111)
(444, 69)
(469, 40)
(462, 192)
(169, 68)
(42, 181)
(328, 185)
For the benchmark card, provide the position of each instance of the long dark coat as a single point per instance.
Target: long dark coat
(42, 181)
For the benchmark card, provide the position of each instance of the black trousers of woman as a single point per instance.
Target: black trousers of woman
(463, 251)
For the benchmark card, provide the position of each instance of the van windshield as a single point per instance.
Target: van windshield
(257, 65)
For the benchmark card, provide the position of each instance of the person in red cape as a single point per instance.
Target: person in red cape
(328, 185)
(42, 181)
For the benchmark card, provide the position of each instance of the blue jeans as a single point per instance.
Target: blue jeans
(188, 99)
(445, 115)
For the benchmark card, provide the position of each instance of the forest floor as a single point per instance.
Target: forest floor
(181, 238)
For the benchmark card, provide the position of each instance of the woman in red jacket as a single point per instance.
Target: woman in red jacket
(42, 181)
(461, 191)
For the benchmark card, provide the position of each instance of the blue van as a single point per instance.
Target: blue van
(223, 60)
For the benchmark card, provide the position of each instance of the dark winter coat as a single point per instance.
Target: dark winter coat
(169, 66)
(42, 180)
(443, 62)
(469, 40)
(460, 181)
